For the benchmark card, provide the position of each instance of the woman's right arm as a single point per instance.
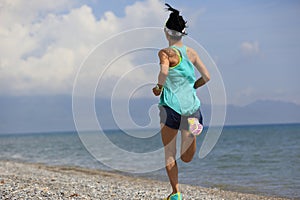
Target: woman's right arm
(205, 76)
(163, 73)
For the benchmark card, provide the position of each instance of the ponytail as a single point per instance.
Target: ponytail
(175, 21)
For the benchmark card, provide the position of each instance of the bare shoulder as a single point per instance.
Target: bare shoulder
(169, 57)
(192, 54)
(169, 52)
(191, 50)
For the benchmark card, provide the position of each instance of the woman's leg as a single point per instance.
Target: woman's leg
(169, 140)
(188, 146)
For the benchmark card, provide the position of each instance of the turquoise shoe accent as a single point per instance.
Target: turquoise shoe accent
(177, 196)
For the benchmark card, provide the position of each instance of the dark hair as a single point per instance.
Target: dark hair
(175, 21)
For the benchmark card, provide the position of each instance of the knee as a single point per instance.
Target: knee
(170, 162)
(186, 158)
(170, 154)
(170, 165)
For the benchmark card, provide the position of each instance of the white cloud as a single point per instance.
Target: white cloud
(43, 42)
(250, 48)
(148, 13)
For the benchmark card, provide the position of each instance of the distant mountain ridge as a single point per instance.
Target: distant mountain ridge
(264, 112)
(54, 113)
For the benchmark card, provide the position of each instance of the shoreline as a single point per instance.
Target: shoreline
(22, 180)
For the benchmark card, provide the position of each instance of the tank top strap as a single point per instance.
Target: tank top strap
(182, 50)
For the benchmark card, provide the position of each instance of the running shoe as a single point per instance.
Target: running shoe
(194, 126)
(177, 196)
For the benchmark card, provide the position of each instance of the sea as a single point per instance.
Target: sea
(259, 159)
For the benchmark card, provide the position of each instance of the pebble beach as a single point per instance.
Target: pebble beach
(19, 180)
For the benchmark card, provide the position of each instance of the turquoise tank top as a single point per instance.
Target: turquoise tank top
(178, 91)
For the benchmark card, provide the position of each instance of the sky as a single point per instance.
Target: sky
(45, 45)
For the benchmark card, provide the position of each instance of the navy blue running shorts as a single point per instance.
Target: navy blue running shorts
(174, 120)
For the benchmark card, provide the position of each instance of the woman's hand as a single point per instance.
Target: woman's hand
(157, 89)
